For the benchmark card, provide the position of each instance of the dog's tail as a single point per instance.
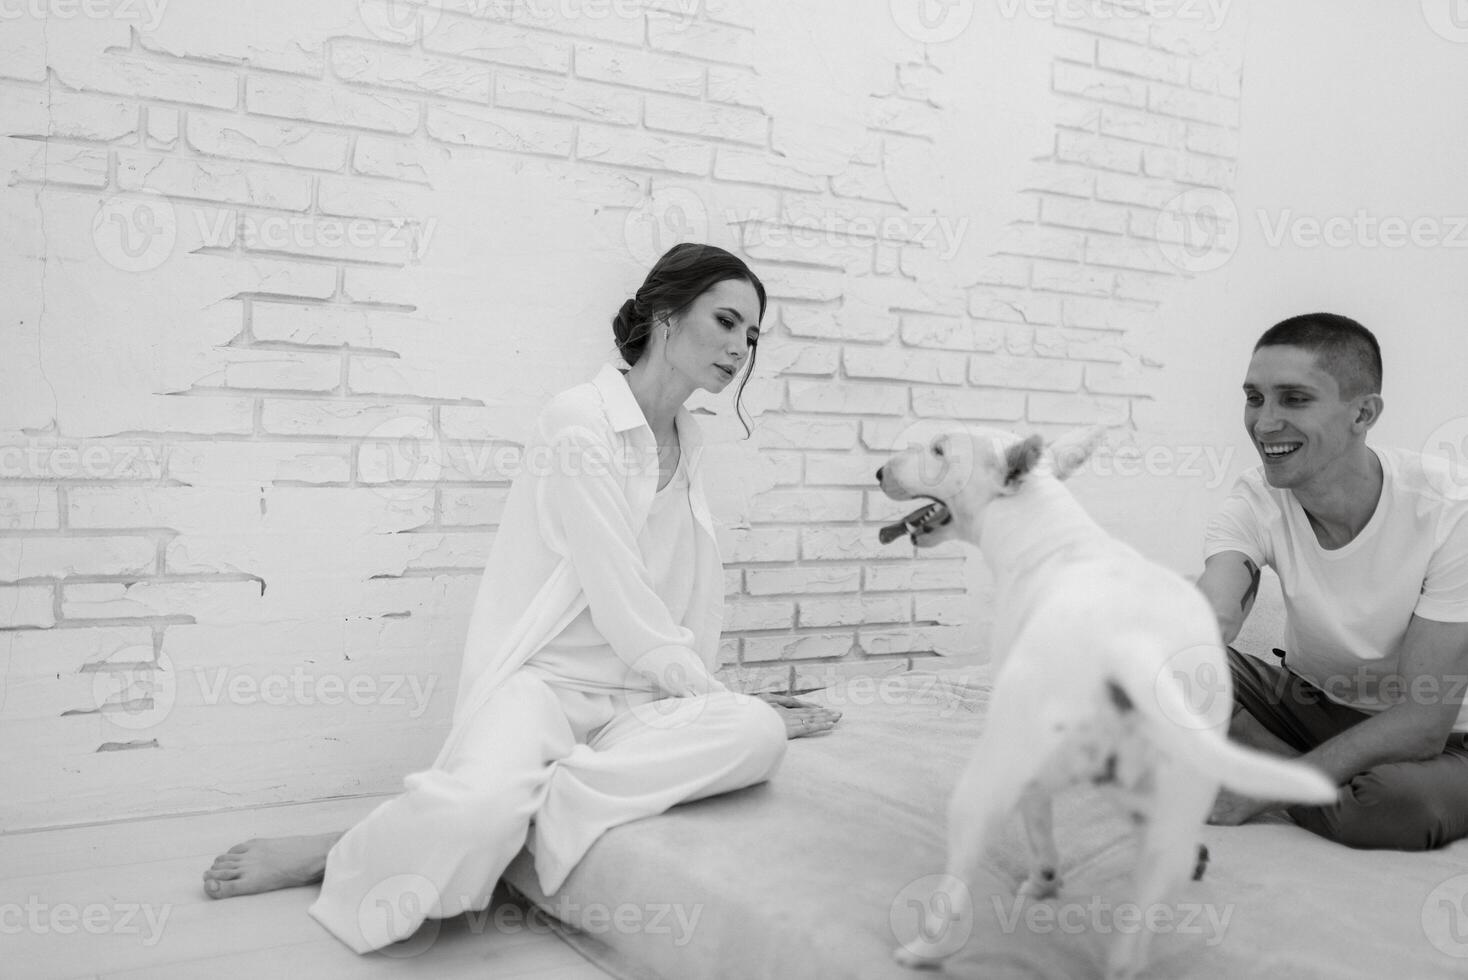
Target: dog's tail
(1193, 737)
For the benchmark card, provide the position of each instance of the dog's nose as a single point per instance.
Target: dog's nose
(879, 473)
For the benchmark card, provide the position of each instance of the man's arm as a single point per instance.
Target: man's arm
(1434, 672)
(1229, 582)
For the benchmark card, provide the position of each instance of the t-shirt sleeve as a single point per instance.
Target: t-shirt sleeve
(1237, 527)
(1445, 586)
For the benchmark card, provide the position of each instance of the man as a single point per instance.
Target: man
(1371, 548)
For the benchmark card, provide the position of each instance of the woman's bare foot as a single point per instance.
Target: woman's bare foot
(264, 864)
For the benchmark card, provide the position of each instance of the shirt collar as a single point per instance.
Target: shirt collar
(624, 413)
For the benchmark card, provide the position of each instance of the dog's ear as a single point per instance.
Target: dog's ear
(1070, 451)
(1019, 459)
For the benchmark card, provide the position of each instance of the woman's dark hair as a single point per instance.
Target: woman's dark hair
(684, 273)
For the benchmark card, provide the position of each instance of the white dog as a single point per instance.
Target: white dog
(1106, 658)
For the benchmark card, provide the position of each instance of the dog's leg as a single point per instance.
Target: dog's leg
(1014, 749)
(1044, 880)
(1167, 857)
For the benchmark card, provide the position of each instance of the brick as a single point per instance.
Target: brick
(1189, 169)
(641, 69)
(950, 333)
(57, 163)
(173, 81)
(1118, 379)
(57, 557)
(1003, 271)
(59, 114)
(321, 417)
(1146, 62)
(1015, 307)
(26, 605)
(50, 459)
(500, 130)
(356, 197)
(1105, 314)
(899, 365)
(176, 508)
(913, 577)
(734, 86)
(573, 98)
(245, 138)
(1072, 45)
(1078, 409)
(1085, 215)
(792, 432)
(28, 508)
(23, 47)
(945, 610)
(291, 98)
(1127, 253)
(1144, 287)
(1145, 191)
(253, 464)
(700, 39)
(501, 44)
(842, 324)
(853, 611)
(758, 649)
(1214, 140)
(334, 325)
(803, 580)
(805, 506)
(894, 114)
(1004, 371)
(843, 543)
(1054, 177)
(1098, 151)
(788, 467)
(847, 399)
(1002, 406)
(733, 582)
(759, 615)
(797, 358)
(621, 148)
(236, 602)
(1104, 86)
(213, 180)
(1088, 345)
(922, 82)
(706, 120)
(878, 642)
(762, 545)
(1197, 106)
(752, 167)
(382, 156)
(851, 470)
(375, 64)
(1141, 126)
(868, 183)
(619, 22)
(1064, 278)
(471, 506)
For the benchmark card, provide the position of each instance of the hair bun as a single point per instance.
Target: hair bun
(624, 321)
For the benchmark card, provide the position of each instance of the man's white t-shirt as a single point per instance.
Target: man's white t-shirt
(1347, 609)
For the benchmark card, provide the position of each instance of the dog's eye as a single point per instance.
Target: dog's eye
(937, 450)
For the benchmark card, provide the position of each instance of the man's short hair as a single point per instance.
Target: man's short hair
(1342, 347)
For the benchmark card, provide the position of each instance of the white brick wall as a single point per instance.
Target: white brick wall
(425, 229)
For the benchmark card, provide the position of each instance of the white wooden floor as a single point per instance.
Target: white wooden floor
(77, 903)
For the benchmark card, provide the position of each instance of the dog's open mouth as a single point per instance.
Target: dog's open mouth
(920, 521)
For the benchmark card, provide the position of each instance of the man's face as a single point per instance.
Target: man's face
(1294, 414)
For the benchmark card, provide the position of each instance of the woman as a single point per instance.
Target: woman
(587, 696)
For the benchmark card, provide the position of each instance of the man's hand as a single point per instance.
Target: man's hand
(801, 718)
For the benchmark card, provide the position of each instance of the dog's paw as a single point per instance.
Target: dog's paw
(1041, 885)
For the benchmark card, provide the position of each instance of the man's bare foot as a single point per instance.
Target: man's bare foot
(264, 864)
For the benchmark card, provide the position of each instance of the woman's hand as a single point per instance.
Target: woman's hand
(800, 717)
